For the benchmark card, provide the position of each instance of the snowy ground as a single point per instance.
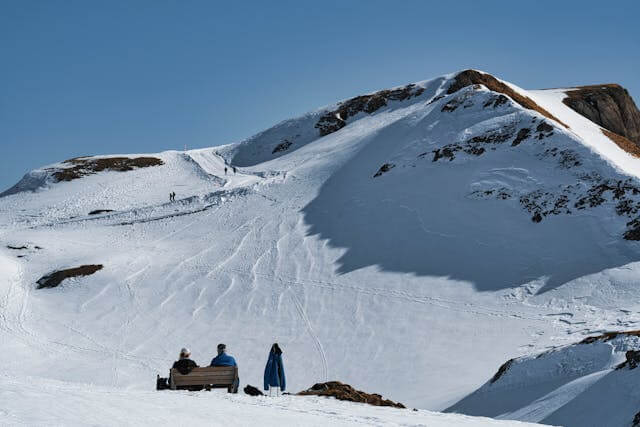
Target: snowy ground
(403, 285)
(576, 385)
(40, 402)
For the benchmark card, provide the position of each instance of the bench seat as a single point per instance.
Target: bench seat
(210, 377)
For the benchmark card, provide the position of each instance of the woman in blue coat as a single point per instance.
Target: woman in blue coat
(274, 379)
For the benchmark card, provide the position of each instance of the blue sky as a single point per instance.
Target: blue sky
(96, 77)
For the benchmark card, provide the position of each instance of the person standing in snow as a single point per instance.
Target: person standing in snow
(274, 379)
(223, 359)
(234, 169)
(184, 365)
(225, 170)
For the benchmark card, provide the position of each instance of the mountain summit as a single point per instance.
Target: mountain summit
(406, 241)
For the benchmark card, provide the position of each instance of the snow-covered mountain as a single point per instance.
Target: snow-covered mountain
(592, 383)
(406, 241)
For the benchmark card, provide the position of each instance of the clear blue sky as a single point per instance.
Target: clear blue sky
(94, 77)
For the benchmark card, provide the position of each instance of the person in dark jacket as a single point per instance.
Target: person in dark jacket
(184, 365)
(274, 379)
(223, 359)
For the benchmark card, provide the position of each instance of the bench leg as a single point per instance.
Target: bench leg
(233, 388)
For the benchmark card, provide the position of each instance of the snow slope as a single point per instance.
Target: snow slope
(576, 385)
(93, 405)
(467, 249)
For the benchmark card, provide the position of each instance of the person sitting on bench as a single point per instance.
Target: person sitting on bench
(185, 364)
(223, 359)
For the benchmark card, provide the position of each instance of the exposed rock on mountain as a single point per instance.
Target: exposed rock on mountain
(335, 120)
(52, 280)
(81, 166)
(473, 77)
(608, 105)
(345, 392)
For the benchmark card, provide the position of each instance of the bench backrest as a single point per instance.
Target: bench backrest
(217, 376)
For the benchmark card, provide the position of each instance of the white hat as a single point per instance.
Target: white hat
(185, 352)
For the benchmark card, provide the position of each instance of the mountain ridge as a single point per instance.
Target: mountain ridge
(455, 231)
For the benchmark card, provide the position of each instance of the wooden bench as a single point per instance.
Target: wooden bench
(210, 377)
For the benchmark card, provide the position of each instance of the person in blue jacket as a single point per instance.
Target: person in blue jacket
(274, 379)
(223, 359)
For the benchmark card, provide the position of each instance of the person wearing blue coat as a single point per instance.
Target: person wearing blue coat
(223, 359)
(274, 379)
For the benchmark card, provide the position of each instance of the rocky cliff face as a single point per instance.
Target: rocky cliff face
(608, 105)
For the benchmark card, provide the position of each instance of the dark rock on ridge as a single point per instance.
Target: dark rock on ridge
(335, 120)
(345, 392)
(82, 166)
(473, 77)
(608, 105)
(52, 280)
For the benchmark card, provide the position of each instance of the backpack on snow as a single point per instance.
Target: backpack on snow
(162, 383)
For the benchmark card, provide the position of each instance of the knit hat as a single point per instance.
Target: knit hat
(185, 352)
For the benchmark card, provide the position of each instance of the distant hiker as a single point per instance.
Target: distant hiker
(172, 197)
(184, 365)
(225, 170)
(223, 359)
(234, 169)
(274, 379)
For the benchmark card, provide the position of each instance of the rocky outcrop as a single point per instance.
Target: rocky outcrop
(384, 169)
(608, 105)
(335, 120)
(100, 211)
(345, 392)
(52, 280)
(82, 166)
(473, 77)
(502, 370)
(632, 360)
(283, 146)
(608, 336)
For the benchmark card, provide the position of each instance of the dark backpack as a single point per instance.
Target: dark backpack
(252, 391)
(162, 383)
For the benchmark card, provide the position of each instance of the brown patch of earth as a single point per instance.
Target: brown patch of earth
(622, 142)
(82, 166)
(472, 77)
(345, 392)
(608, 105)
(52, 280)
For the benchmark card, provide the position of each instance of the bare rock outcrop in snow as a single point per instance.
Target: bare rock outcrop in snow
(335, 120)
(53, 279)
(343, 391)
(608, 105)
(82, 166)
